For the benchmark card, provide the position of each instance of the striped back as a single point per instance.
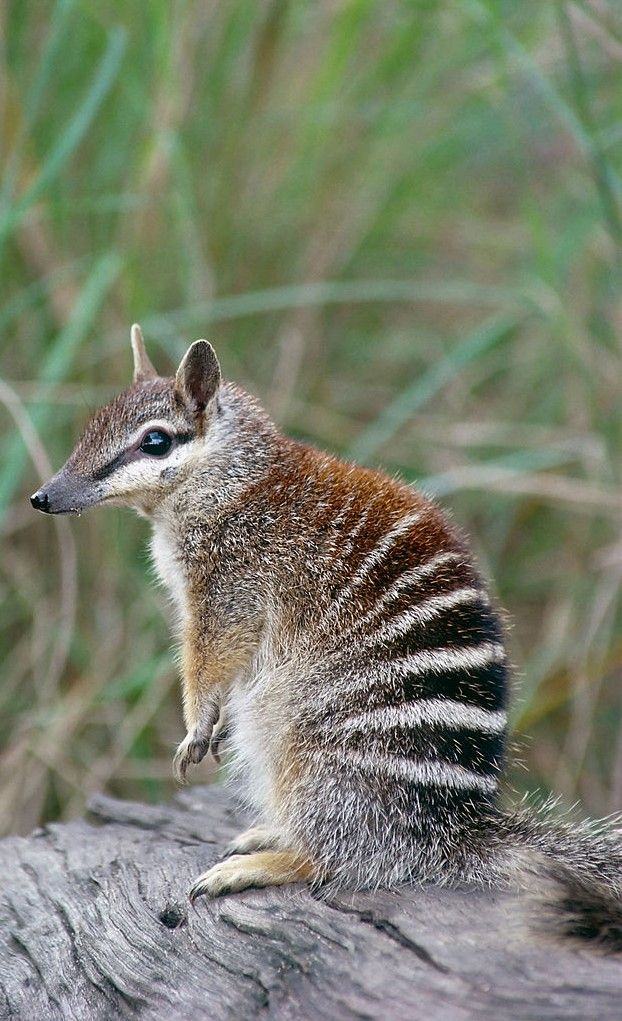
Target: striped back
(418, 661)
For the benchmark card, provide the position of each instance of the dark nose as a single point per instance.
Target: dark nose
(40, 501)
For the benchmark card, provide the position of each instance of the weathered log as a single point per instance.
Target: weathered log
(95, 924)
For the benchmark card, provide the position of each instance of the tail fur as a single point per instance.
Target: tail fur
(572, 873)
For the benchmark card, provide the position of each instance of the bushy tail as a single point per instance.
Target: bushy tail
(572, 873)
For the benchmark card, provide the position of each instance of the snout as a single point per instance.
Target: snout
(66, 493)
(41, 501)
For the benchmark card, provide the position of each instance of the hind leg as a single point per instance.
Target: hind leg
(262, 868)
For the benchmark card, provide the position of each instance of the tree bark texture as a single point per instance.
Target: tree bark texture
(95, 924)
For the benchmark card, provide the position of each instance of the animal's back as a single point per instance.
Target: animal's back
(373, 728)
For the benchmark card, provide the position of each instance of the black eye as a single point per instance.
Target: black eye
(156, 443)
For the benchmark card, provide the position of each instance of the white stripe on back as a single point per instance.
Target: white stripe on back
(373, 558)
(432, 772)
(348, 544)
(438, 661)
(379, 674)
(422, 613)
(410, 577)
(444, 711)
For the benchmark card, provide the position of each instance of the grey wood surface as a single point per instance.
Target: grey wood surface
(94, 923)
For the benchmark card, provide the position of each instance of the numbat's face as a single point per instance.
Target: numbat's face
(136, 448)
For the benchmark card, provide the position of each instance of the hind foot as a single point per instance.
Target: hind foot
(262, 868)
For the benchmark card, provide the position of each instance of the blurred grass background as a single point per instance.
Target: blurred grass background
(400, 224)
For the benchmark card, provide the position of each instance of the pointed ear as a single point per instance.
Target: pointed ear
(198, 376)
(143, 369)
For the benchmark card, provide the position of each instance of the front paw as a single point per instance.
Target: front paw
(191, 750)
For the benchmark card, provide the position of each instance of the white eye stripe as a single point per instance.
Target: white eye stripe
(134, 465)
(140, 473)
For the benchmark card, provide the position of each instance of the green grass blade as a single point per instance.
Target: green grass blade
(280, 299)
(35, 95)
(551, 95)
(476, 345)
(517, 463)
(58, 362)
(30, 295)
(74, 133)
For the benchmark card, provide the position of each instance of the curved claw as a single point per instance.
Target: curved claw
(191, 750)
(196, 890)
(224, 877)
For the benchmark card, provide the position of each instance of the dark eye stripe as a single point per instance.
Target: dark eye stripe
(110, 467)
(116, 462)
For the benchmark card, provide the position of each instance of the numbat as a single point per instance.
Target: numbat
(337, 638)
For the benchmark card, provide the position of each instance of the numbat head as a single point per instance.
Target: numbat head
(137, 448)
(338, 641)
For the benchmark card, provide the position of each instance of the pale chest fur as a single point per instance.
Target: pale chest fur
(259, 711)
(165, 554)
